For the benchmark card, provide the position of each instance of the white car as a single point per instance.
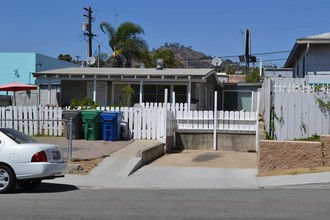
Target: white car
(26, 162)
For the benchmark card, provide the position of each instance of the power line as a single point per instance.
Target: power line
(102, 45)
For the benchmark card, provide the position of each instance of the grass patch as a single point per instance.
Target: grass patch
(314, 137)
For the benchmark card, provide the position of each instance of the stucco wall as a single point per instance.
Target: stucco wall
(286, 155)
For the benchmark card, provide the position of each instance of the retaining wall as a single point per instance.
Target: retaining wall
(286, 155)
(225, 141)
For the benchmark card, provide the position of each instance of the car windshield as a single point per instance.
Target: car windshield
(17, 136)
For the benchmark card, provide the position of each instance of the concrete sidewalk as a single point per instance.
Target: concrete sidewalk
(188, 169)
(149, 177)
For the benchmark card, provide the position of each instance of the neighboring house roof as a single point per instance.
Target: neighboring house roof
(301, 45)
(277, 72)
(125, 73)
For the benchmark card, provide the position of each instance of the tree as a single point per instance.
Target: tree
(253, 76)
(168, 57)
(65, 57)
(230, 70)
(125, 43)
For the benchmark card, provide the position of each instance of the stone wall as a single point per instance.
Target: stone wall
(225, 141)
(286, 155)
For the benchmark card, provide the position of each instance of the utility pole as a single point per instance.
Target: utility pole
(89, 29)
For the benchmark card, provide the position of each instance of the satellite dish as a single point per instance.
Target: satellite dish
(90, 60)
(216, 61)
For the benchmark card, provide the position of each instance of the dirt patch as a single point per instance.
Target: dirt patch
(83, 167)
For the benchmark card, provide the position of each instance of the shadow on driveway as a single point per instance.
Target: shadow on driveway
(48, 188)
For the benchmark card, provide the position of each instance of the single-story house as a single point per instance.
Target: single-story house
(105, 85)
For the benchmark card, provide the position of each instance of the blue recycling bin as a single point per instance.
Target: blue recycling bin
(111, 122)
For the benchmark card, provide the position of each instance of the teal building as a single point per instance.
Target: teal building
(18, 67)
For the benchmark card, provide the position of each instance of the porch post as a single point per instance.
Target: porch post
(257, 121)
(252, 101)
(141, 92)
(49, 92)
(189, 95)
(94, 89)
(215, 120)
(165, 118)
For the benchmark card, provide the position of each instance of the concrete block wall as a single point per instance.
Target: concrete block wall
(236, 142)
(286, 155)
(325, 141)
(225, 141)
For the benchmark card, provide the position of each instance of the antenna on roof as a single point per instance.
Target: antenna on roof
(160, 63)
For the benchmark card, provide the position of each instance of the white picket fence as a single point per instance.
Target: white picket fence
(147, 121)
(33, 120)
(297, 112)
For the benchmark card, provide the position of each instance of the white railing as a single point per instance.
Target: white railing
(226, 121)
(301, 88)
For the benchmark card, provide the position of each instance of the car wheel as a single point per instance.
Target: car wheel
(7, 179)
(29, 184)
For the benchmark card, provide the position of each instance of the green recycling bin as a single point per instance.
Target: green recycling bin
(92, 124)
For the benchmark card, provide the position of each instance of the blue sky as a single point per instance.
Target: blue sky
(213, 27)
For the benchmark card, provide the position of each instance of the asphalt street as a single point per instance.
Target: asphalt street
(52, 201)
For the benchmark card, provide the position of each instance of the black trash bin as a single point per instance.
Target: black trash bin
(75, 116)
(111, 124)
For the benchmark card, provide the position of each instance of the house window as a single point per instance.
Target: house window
(155, 93)
(180, 93)
(118, 91)
(237, 101)
(152, 93)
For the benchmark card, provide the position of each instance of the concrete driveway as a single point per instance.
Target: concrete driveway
(208, 159)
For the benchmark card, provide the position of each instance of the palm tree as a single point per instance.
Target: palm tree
(125, 43)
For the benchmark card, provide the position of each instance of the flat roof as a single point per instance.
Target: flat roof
(76, 71)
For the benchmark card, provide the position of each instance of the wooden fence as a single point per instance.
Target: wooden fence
(300, 110)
